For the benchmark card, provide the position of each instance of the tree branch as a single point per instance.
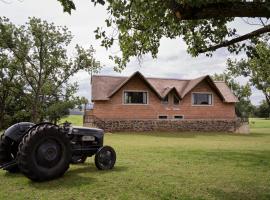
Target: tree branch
(221, 10)
(238, 39)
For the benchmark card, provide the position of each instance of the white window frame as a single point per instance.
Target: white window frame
(141, 104)
(192, 99)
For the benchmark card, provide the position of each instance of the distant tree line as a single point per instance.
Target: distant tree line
(35, 70)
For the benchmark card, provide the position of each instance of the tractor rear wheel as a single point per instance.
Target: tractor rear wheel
(8, 151)
(78, 159)
(44, 153)
(105, 158)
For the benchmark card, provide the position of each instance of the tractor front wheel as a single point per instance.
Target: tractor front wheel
(105, 158)
(44, 153)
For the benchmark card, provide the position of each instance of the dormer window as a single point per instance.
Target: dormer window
(165, 100)
(175, 100)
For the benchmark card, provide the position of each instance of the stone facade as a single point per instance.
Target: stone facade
(196, 125)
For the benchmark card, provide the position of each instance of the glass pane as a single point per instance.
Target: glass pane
(162, 117)
(135, 97)
(165, 100)
(175, 100)
(202, 99)
(178, 117)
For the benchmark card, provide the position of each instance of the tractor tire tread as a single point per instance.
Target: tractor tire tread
(25, 148)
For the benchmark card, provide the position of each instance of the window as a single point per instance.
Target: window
(165, 100)
(179, 117)
(202, 99)
(162, 117)
(175, 100)
(135, 98)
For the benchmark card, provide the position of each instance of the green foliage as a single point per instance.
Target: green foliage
(42, 63)
(244, 107)
(256, 67)
(12, 102)
(263, 110)
(142, 24)
(138, 26)
(68, 5)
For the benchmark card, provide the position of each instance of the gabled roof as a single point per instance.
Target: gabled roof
(104, 87)
(128, 79)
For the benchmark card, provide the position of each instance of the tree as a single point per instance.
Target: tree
(243, 108)
(256, 67)
(12, 106)
(40, 50)
(263, 110)
(203, 24)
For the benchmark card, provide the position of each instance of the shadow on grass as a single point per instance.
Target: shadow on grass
(82, 175)
(236, 195)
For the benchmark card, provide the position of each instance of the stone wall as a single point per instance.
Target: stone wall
(203, 125)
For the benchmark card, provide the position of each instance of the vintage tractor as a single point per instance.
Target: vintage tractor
(44, 151)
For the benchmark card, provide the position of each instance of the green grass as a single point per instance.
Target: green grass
(164, 166)
(76, 120)
(259, 123)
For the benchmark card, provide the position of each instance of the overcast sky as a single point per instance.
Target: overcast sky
(172, 61)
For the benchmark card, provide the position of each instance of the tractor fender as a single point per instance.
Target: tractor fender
(17, 131)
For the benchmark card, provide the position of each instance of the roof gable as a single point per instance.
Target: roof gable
(136, 74)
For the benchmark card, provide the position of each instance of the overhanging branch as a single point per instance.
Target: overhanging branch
(238, 39)
(221, 10)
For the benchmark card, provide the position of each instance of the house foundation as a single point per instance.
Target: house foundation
(190, 125)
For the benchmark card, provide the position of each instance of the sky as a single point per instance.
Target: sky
(172, 62)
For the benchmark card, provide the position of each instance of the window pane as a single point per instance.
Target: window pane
(135, 97)
(175, 100)
(165, 100)
(162, 117)
(178, 117)
(202, 99)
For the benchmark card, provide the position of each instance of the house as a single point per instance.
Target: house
(141, 103)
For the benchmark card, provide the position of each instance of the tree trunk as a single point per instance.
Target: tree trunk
(1, 119)
(267, 99)
(34, 117)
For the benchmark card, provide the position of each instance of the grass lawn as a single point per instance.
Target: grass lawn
(164, 166)
(76, 120)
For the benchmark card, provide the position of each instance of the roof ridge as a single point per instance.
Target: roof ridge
(168, 78)
(98, 75)
(116, 76)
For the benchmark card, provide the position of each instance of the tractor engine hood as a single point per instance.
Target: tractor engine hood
(77, 130)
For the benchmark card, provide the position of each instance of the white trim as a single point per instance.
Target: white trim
(137, 104)
(203, 105)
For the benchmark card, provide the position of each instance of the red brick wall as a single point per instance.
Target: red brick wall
(115, 109)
